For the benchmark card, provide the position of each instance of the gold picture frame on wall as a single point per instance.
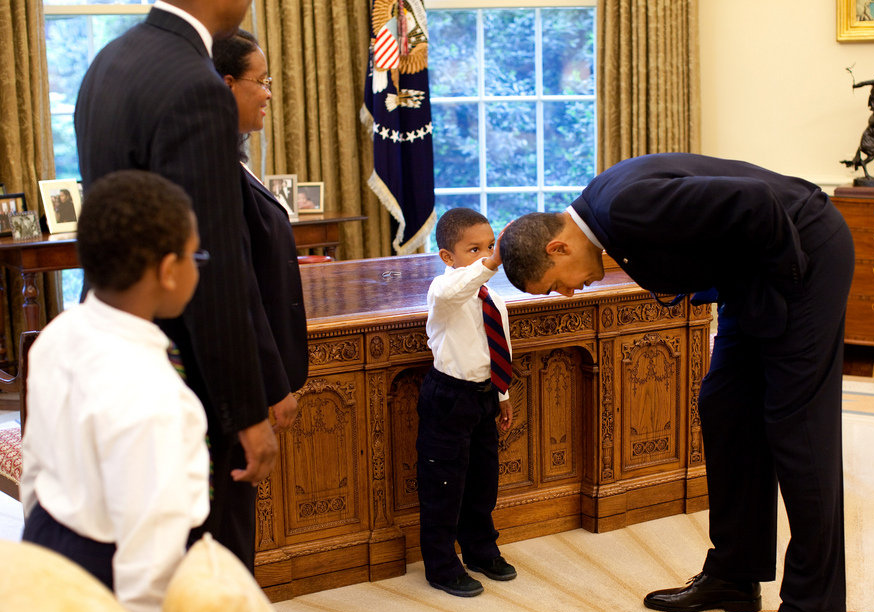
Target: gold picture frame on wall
(855, 20)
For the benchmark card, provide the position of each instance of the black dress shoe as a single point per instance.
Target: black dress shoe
(496, 569)
(705, 592)
(460, 586)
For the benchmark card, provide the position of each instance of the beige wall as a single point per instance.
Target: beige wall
(774, 87)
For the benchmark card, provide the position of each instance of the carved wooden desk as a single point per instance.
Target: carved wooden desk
(605, 431)
(320, 231)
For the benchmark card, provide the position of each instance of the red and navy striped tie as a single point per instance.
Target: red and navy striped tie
(499, 352)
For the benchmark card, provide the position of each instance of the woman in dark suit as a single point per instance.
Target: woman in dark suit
(282, 347)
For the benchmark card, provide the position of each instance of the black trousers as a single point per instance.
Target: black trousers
(771, 415)
(457, 472)
(95, 557)
(231, 519)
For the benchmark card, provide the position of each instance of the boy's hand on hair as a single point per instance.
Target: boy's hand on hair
(284, 413)
(259, 444)
(506, 418)
(496, 255)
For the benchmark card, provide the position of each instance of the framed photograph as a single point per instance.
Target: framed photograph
(855, 20)
(10, 203)
(284, 187)
(25, 225)
(311, 197)
(61, 202)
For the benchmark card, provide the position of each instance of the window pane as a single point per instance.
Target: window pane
(452, 47)
(71, 43)
(504, 207)
(568, 51)
(511, 144)
(456, 156)
(64, 137)
(442, 203)
(509, 52)
(568, 142)
(558, 201)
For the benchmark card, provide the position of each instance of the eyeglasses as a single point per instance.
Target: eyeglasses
(266, 82)
(200, 257)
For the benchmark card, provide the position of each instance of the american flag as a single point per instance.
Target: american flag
(398, 110)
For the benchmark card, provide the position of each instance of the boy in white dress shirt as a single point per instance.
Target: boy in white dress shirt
(115, 464)
(460, 399)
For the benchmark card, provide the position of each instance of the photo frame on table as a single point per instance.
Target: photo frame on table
(25, 225)
(284, 188)
(10, 203)
(855, 20)
(61, 203)
(311, 197)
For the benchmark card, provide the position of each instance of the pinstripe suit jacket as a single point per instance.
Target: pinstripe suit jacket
(151, 100)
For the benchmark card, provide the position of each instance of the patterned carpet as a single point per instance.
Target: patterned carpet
(584, 572)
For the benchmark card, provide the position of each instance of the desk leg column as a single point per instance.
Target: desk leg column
(31, 304)
(3, 354)
(387, 546)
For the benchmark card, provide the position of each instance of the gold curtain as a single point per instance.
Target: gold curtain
(317, 54)
(25, 136)
(648, 78)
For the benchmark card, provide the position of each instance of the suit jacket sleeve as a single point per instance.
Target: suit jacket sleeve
(742, 216)
(195, 145)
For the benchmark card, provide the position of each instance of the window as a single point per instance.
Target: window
(513, 105)
(75, 32)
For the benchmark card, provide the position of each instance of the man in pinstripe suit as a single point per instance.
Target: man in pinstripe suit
(152, 100)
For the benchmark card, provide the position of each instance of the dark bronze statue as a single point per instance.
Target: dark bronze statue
(866, 145)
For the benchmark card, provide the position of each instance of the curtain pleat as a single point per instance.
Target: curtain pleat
(317, 54)
(648, 78)
(26, 155)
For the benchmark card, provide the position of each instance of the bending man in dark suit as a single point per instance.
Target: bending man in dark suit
(152, 100)
(781, 259)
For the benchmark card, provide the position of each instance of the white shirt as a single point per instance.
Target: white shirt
(114, 445)
(201, 29)
(455, 328)
(584, 227)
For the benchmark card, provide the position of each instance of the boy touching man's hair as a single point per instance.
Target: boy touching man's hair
(468, 333)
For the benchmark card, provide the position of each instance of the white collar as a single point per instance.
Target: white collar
(584, 227)
(201, 29)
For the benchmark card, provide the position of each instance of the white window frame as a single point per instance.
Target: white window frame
(484, 190)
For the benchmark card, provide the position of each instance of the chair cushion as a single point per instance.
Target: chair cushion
(10, 454)
(38, 579)
(211, 577)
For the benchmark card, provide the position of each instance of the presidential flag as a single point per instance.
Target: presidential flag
(398, 110)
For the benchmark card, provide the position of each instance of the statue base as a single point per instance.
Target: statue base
(863, 181)
(856, 191)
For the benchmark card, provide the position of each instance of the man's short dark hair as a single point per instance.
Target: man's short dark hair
(130, 220)
(523, 247)
(452, 224)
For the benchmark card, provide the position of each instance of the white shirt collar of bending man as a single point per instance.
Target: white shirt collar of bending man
(201, 29)
(585, 228)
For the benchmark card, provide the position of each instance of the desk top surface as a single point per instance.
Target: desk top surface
(325, 217)
(388, 288)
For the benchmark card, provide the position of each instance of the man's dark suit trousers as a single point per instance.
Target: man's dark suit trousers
(771, 415)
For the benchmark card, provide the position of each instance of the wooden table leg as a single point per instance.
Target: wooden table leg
(31, 304)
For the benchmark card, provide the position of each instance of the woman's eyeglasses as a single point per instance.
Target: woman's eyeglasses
(266, 82)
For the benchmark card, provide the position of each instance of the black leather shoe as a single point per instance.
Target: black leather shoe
(496, 569)
(704, 592)
(460, 586)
